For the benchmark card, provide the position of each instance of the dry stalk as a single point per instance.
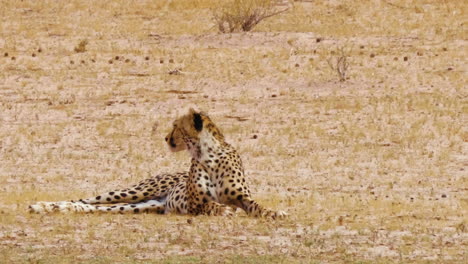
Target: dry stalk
(340, 63)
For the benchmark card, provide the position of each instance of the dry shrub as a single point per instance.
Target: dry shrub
(244, 15)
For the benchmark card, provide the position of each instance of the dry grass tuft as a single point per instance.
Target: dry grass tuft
(339, 63)
(81, 47)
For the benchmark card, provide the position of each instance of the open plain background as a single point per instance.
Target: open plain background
(370, 170)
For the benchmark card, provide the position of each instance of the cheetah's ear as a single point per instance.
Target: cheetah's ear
(197, 121)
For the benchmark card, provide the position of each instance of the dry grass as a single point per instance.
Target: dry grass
(372, 170)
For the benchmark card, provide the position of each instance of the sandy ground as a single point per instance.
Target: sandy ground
(372, 169)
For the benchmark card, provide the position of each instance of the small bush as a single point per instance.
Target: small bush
(244, 15)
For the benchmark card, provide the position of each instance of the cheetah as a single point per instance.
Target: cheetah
(214, 184)
(216, 177)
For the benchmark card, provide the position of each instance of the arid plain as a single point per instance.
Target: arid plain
(370, 170)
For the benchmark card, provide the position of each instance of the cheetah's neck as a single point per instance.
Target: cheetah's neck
(208, 147)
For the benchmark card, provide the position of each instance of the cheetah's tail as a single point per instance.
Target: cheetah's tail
(156, 206)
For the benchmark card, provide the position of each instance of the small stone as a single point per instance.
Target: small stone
(372, 55)
(147, 58)
(405, 58)
(254, 136)
(444, 196)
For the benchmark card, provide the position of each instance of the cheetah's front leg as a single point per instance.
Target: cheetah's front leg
(253, 208)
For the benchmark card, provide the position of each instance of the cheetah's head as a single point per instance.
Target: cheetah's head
(175, 140)
(188, 129)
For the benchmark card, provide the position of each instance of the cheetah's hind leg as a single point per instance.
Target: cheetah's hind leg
(150, 206)
(154, 188)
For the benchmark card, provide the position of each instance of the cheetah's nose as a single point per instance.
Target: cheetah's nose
(166, 139)
(172, 143)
